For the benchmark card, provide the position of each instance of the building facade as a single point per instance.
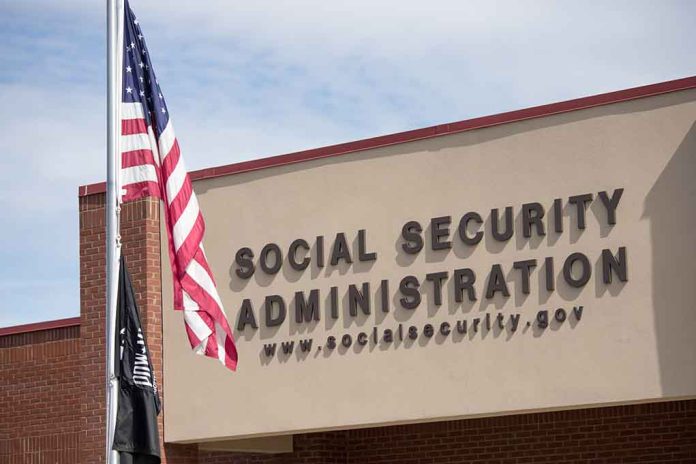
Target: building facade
(513, 288)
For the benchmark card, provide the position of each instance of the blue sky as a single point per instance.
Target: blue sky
(246, 80)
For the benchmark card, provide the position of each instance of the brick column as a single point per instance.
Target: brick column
(92, 266)
(140, 235)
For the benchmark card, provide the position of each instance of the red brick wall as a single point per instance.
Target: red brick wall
(656, 433)
(312, 448)
(52, 393)
(40, 396)
(647, 433)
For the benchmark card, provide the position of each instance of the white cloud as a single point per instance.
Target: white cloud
(251, 79)
(51, 141)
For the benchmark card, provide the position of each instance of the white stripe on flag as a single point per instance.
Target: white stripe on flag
(185, 223)
(166, 139)
(135, 142)
(134, 174)
(176, 180)
(198, 327)
(220, 337)
(189, 303)
(201, 277)
(132, 110)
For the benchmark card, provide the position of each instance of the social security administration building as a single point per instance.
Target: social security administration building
(512, 288)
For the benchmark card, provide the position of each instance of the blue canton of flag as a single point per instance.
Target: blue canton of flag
(139, 80)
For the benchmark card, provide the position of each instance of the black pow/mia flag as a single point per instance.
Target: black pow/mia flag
(136, 436)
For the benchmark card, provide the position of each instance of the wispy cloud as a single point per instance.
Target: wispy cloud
(251, 79)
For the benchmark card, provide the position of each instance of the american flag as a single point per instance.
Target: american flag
(152, 165)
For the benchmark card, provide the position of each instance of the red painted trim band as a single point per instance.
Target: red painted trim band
(429, 132)
(37, 326)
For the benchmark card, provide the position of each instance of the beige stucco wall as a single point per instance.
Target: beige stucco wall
(636, 341)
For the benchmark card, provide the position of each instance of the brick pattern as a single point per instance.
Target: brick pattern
(140, 246)
(92, 300)
(655, 433)
(648, 433)
(39, 338)
(51, 448)
(313, 448)
(40, 396)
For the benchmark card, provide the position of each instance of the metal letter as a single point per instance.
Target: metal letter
(437, 231)
(292, 254)
(363, 255)
(272, 321)
(612, 263)
(509, 223)
(525, 268)
(246, 316)
(357, 298)
(463, 224)
(263, 258)
(244, 258)
(580, 201)
(496, 282)
(411, 233)
(307, 310)
(464, 279)
(340, 250)
(568, 270)
(436, 278)
(409, 288)
(532, 214)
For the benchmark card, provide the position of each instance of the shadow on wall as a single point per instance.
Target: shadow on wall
(671, 209)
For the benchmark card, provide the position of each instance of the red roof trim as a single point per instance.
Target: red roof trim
(47, 325)
(434, 131)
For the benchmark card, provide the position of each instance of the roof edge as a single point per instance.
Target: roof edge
(432, 131)
(38, 326)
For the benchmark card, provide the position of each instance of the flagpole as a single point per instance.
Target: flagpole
(114, 23)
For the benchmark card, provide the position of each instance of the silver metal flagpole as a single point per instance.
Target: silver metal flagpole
(114, 26)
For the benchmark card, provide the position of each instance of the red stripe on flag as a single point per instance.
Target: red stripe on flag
(170, 160)
(178, 204)
(211, 348)
(200, 296)
(203, 261)
(133, 126)
(193, 340)
(231, 355)
(140, 190)
(190, 245)
(137, 158)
